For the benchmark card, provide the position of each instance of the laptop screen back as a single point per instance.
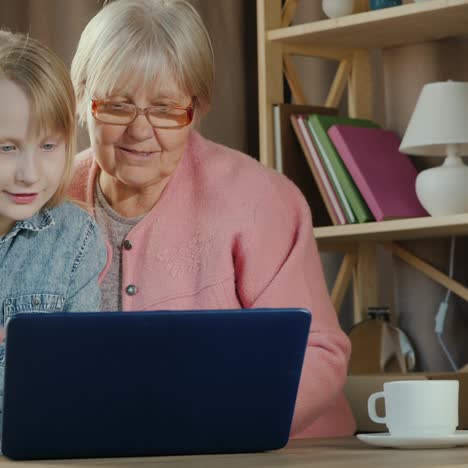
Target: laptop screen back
(149, 383)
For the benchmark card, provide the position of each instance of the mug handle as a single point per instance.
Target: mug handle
(371, 408)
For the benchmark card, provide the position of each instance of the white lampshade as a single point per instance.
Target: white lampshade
(438, 127)
(439, 118)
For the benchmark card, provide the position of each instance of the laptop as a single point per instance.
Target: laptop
(122, 384)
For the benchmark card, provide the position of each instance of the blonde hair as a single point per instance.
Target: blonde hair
(45, 80)
(138, 42)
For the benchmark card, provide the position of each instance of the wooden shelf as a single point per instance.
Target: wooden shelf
(388, 27)
(349, 40)
(395, 230)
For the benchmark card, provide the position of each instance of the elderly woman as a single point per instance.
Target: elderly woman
(191, 223)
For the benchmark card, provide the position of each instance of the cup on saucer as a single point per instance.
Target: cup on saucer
(418, 408)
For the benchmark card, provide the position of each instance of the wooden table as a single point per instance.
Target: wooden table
(311, 453)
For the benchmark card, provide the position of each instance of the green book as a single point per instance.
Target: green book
(354, 206)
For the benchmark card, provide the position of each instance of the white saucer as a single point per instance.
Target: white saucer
(386, 440)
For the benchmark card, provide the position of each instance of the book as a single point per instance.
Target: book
(353, 203)
(385, 177)
(347, 210)
(277, 136)
(318, 171)
(292, 162)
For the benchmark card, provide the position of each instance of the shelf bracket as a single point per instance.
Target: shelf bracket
(427, 269)
(339, 84)
(293, 79)
(289, 9)
(343, 279)
(360, 86)
(365, 293)
(319, 51)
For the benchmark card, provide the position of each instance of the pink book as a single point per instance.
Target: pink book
(385, 177)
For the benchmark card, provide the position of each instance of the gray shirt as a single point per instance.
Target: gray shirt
(115, 229)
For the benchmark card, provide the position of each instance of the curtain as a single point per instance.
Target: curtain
(232, 119)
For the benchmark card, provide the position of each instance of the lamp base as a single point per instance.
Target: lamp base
(443, 190)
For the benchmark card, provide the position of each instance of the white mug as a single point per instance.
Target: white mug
(418, 407)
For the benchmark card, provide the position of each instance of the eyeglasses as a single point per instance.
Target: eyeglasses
(124, 113)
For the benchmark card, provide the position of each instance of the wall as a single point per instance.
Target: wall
(58, 23)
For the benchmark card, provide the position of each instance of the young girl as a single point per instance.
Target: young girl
(51, 251)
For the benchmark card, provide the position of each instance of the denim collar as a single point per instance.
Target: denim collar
(40, 221)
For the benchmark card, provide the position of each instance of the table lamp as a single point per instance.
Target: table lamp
(439, 127)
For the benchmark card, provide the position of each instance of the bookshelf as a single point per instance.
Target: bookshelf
(383, 28)
(349, 41)
(329, 237)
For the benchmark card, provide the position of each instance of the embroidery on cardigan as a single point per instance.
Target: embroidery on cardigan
(188, 257)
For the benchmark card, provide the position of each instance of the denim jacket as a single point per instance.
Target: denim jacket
(50, 263)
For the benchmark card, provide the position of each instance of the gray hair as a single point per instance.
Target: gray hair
(139, 42)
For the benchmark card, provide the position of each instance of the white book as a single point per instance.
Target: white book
(277, 132)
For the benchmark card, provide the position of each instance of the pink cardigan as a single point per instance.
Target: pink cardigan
(229, 233)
